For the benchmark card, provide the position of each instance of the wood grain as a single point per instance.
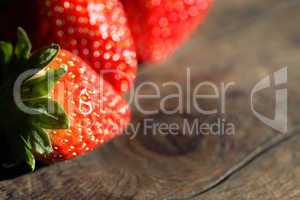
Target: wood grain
(241, 42)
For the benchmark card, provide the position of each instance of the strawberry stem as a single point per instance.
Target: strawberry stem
(29, 136)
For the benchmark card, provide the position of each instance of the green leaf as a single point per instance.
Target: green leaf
(51, 114)
(40, 85)
(27, 154)
(6, 52)
(23, 46)
(29, 159)
(40, 141)
(43, 57)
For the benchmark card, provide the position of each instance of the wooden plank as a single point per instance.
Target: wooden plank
(241, 42)
(275, 175)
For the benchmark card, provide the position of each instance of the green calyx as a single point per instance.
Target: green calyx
(6, 52)
(26, 134)
(40, 86)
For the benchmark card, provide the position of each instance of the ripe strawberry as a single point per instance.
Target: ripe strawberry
(159, 27)
(85, 112)
(97, 31)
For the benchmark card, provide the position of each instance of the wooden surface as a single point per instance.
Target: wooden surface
(242, 41)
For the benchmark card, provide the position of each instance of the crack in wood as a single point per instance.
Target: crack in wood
(258, 152)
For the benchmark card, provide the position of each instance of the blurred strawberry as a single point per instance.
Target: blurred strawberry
(97, 31)
(159, 27)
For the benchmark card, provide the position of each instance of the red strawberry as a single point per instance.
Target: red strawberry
(159, 27)
(96, 113)
(87, 111)
(97, 31)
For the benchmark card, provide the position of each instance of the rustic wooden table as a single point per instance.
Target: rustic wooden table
(241, 42)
